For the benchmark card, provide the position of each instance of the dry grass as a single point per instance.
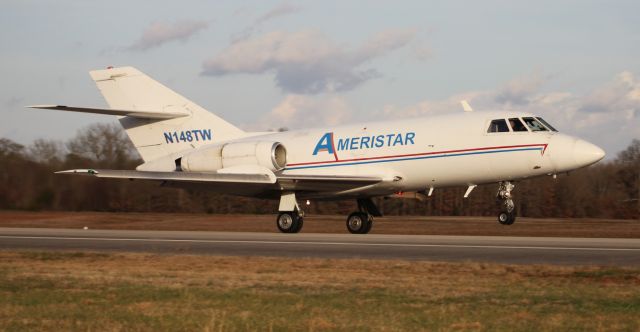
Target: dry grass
(95, 291)
(325, 224)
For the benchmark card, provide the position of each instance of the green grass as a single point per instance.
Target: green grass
(135, 292)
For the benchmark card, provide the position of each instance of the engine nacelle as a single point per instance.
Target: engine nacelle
(271, 155)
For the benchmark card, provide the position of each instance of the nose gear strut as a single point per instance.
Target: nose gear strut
(507, 214)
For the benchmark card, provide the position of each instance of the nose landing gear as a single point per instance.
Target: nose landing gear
(507, 214)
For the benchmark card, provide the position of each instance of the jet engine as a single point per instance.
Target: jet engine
(270, 155)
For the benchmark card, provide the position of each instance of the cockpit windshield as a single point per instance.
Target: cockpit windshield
(498, 126)
(524, 124)
(534, 124)
(546, 124)
(517, 125)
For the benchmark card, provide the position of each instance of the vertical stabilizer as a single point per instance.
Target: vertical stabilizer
(128, 88)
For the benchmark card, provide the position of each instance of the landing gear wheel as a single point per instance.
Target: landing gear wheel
(507, 218)
(359, 223)
(504, 197)
(289, 222)
(298, 225)
(368, 225)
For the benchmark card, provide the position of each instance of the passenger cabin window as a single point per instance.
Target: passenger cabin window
(517, 125)
(534, 124)
(498, 126)
(546, 124)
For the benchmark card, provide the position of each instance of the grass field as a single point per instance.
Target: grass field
(325, 224)
(143, 292)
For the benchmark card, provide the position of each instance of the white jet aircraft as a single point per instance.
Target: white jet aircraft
(185, 146)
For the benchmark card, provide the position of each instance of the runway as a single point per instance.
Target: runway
(496, 249)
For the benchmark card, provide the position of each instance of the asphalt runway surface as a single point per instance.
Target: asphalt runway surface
(496, 249)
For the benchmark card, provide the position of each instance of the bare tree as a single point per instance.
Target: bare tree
(629, 174)
(105, 143)
(9, 148)
(46, 151)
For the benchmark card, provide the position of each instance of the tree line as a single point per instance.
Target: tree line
(608, 189)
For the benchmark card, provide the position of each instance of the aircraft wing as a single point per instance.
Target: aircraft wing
(258, 178)
(309, 183)
(141, 114)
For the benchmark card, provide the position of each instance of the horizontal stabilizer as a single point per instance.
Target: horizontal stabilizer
(264, 178)
(132, 113)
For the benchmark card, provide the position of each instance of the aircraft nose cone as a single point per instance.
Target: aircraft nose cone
(585, 153)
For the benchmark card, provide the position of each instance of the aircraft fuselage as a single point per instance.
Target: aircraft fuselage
(423, 153)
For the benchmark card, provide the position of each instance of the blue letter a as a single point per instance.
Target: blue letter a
(324, 144)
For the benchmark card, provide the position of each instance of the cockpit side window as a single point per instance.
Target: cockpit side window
(498, 126)
(546, 124)
(517, 125)
(534, 124)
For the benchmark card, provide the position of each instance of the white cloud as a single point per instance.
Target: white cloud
(620, 95)
(280, 10)
(160, 33)
(301, 111)
(608, 115)
(433, 107)
(277, 11)
(383, 42)
(306, 62)
(519, 91)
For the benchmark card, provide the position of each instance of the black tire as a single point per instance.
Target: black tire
(359, 223)
(289, 222)
(507, 218)
(298, 225)
(368, 225)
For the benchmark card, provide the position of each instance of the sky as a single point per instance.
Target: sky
(270, 64)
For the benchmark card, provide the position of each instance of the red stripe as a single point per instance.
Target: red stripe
(419, 154)
(333, 146)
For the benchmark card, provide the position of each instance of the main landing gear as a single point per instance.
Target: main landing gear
(290, 222)
(290, 219)
(507, 214)
(361, 221)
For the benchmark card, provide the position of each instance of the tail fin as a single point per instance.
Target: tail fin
(129, 89)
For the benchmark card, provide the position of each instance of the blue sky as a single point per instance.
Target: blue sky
(263, 65)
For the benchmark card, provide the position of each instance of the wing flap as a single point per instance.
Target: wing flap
(119, 112)
(320, 183)
(261, 178)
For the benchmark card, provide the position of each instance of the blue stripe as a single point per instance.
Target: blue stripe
(411, 158)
